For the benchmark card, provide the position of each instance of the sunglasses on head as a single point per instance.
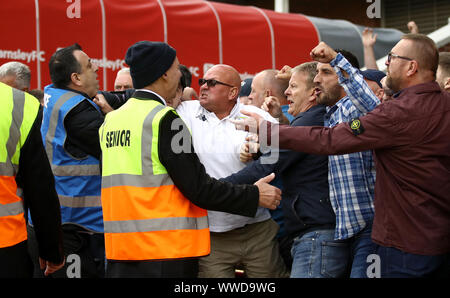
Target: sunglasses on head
(212, 82)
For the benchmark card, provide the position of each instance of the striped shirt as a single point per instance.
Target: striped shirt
(351, 177)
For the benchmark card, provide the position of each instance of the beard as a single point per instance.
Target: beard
(331, 96)
(392, 83)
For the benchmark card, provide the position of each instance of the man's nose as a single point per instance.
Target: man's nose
(316, 79)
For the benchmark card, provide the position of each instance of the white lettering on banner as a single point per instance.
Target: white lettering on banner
(111, 64)
(206, 67)
(374, 9)
(21, 55)
(74, 9)
(194, 70)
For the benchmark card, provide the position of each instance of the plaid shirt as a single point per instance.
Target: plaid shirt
(351, 177)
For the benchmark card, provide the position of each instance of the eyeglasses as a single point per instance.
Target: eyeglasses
(390, 55)
(212, 82)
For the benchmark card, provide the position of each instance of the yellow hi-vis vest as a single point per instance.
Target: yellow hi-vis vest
(18, 111)
(145, 216)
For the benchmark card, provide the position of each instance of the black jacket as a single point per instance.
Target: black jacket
(83, 121)
(305, 200)
(190, 177)
(36, 179)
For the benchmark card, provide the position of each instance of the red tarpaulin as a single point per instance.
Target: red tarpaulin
(203, 33)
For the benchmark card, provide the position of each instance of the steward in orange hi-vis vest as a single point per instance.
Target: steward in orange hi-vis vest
(146, 217)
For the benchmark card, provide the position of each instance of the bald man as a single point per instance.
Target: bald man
(267, 87)
(234, 239)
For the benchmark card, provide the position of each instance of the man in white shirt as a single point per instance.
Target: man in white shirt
(234, 239)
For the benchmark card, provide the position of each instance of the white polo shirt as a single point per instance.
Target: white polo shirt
(217, 144)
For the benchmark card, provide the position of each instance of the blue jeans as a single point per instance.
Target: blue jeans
(398, 264)
(361, 246)
(317, 255)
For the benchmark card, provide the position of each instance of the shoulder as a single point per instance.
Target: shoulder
(189, 104)
(187, 108)
(313, 117)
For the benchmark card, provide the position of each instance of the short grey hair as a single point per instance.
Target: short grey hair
(308, 68)
(18, 70)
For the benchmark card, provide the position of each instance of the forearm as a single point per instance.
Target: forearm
(190, 177)
(251, 173)
(354, 84)
(369, 58)
(376, 130)
(82, 125)
(36, 178)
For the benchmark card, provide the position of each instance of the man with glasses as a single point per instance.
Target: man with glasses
(235, 239)
(409, 136)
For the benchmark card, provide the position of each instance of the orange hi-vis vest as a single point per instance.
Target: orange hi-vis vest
(17, 114)
(146, 217)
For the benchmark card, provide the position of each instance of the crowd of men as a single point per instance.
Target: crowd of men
(311, 171)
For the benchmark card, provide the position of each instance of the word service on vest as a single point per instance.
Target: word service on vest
(118, 138)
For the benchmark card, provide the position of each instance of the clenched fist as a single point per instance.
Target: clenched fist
(323, 53)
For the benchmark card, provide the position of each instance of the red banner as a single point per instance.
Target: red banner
(204, 33)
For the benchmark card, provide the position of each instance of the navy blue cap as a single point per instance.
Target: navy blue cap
(148, 61)
(246, 87)
(373, 75)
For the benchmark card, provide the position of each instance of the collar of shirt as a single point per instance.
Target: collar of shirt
(150, 91)
(205, 115)
(329, 117)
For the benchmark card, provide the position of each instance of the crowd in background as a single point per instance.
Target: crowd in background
(361, 163)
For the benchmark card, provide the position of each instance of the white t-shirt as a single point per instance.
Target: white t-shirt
(217, 144)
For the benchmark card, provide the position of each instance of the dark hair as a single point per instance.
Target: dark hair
(186, 76)
(62, 64)
(39, 94)
(349, 56)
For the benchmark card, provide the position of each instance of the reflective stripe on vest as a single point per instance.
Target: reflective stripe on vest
(145, 215)
(17, 115)
(77, 180)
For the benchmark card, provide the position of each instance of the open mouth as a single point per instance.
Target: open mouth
(317, 91)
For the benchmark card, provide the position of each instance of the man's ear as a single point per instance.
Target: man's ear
(75, 79)
(233, 93)
(412, 68)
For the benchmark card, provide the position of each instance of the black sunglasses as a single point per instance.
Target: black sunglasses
(212, 83)
(390, 55)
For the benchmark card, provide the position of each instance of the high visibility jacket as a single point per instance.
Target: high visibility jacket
(146, 217)
(18, 111)
(77, 180)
